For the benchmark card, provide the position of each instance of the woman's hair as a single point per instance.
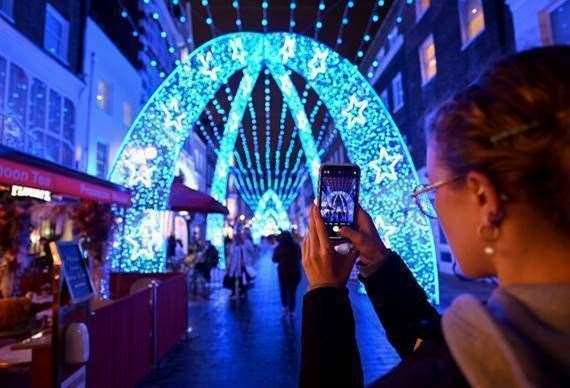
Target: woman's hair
(513, 125)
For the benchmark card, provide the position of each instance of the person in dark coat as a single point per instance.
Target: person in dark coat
(287, 255)
(498, 159)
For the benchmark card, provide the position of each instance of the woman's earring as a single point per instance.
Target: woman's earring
(490, 234)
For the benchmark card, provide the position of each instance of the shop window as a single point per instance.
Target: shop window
(397, 92)
(127, 114)
(37, 118)
(3, 76)
(7, 8)
(56, 33)
(102, 159)
(69, 121)
(67, 155)
(54, 113)
(471, 19)
(53, 146)
(560, 23)
(428, 61)
(104, 96)
(16, 108)
(421, 8)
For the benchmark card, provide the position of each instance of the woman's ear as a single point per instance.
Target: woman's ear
(486, 196)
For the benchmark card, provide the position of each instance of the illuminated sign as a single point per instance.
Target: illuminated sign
(23, 191)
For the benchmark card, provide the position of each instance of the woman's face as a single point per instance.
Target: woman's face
(459, 214)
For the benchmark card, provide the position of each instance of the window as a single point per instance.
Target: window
(428, 62)
(56, 33)
(37, 118)
(421, 8)
(102, 159)
(7, 8)
(397, 93)
(16, 108)
(471, 19)
(560, 23)
(54, 113)
(104, 96)
(127, 114)
(384, 97)
(3, 77)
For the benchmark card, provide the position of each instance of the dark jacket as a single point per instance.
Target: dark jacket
(288, 256)
(329, 354)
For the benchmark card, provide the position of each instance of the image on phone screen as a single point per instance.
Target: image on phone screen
(338, 199)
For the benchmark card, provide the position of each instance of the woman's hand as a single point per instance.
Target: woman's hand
(366, 239)
(322, 264)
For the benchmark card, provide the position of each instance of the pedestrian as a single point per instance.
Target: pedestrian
(498, 160)
(209, 259)
(236, 278)
(287, 255)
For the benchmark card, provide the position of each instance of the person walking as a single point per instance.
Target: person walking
(287, 255)
(498, 159)
(236, 277)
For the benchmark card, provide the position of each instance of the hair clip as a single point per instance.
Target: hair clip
(513, 132)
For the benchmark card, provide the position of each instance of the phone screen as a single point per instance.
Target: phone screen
(338, 196)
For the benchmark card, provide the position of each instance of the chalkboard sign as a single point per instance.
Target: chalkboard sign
(74, 268)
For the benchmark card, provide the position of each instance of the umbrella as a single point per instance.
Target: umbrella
(185, 198)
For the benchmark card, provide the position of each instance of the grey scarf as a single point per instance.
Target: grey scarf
(520, 338)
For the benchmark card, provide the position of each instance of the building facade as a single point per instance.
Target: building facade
(540, 22)
(427, 50)
(41, 83)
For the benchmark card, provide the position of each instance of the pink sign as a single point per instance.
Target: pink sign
(13, 173)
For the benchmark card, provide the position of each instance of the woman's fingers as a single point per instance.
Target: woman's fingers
(321, 229)
(313, 235)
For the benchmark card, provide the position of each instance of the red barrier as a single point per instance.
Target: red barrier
(171, 313)
(121, 342)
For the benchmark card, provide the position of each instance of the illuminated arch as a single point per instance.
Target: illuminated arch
(269, 209)
(147, 157)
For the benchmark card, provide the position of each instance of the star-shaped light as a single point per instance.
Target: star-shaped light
(318, 64)
(354, 112)
(138, 169)
(385, 166)
(385, 230)
(288, 50)
(176, 121)
(246, 84)
(238, 52)
(206, 67)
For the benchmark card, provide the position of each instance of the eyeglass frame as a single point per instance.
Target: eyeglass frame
(423, 189)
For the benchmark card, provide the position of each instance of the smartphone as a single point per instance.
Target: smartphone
(339, 185)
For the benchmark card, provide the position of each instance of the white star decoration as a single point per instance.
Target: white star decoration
(169, 121)
(206, 67)
(246, 84)
(288, 50)
(385, 166)
(385, 230)
(147, 238)
(354, 112)
(238, 52)
(318, 64)
(138, 169)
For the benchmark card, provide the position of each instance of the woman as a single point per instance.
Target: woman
(287, 255)
(237, 271)
(498, 161)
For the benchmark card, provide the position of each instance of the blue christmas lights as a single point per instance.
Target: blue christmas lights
(146, 161)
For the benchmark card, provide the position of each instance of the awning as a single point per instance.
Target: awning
(185, 198)
(17, 168)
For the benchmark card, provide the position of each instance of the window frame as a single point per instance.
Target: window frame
(106, 161)
(397, 103)
(545, 21)
(466, 40)
(64, 38)
(106, 103)
(420, 12)
(423, 64)
(4, 10)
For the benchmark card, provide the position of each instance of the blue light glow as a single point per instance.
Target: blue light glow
(147, 158)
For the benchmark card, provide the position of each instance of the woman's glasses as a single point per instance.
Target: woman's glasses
(424, 196)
